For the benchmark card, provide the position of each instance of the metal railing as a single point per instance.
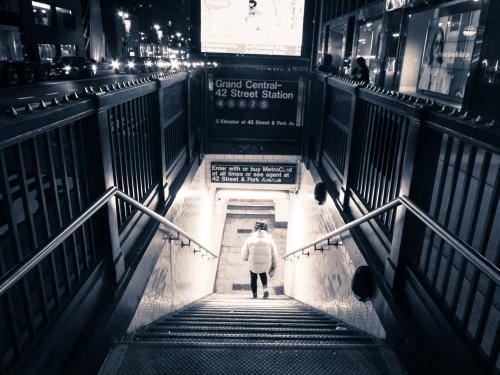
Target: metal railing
(481, 262)
(33, 261)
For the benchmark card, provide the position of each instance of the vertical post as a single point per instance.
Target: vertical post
(117, 269)
(321, 125)
(160, 145)
(393, 262)
(306, 125)
(350, 157)
(187, 109)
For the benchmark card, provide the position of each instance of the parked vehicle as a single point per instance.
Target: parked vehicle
(15, 68)
(13, 73)
(73, 67)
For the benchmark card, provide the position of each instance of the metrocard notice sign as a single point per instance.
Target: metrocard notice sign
(253, 173)
(254, 102)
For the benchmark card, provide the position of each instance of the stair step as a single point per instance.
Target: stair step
(203, 343)
(250, 316)
(251, 214)
(142, 336)
(248, 329)
(234, 335)
(215, 314)
(255, 321)
(269, 310)
(201, 323)
(250, 206)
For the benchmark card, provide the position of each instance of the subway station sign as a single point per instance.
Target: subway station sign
(253, 173)
(254, 102)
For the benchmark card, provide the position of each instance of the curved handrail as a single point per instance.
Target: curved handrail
(33, 261)
(479, 260)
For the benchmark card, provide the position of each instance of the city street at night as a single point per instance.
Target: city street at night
(19, 96)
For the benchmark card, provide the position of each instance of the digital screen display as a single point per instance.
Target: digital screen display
(264, 27)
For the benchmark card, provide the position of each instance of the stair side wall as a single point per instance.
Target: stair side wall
(182, 276)
(323, 279)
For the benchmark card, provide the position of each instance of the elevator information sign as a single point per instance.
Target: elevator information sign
(253, 173)
(255, 102)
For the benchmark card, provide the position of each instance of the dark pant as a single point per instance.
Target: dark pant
(253, 280)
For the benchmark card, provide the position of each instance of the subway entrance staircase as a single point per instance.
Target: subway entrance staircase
(235, 334)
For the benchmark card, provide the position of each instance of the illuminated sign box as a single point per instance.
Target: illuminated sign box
(253, 173)
(263, 27)
(395, 4)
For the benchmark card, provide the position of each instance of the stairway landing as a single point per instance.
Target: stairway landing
(236, 334)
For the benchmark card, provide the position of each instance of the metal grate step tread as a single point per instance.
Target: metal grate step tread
(176, 322)
(324, 330)
(219, 359)
(257, 320)
(248, 308)
(249, 313)
(250, 316)
(250, 336)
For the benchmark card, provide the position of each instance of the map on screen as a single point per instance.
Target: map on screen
(266, 27)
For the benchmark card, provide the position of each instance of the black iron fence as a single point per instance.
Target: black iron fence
(55, 160)
(377, 145)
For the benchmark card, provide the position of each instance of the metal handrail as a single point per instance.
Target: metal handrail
(479, 260)
(347, 226)
(33, 261)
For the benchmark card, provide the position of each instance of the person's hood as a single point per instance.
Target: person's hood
(261, 234)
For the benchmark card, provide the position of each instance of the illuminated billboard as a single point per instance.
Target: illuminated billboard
(264, 27)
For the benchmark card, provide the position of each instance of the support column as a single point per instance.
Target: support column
(117, 266)
(393, 265)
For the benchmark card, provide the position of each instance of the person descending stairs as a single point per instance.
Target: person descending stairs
(236, 334)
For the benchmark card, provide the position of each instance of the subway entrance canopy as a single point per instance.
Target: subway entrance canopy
(364, 133)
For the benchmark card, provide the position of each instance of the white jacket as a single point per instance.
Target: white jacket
(260, 251)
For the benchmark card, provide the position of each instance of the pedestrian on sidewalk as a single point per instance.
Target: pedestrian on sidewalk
(260, 251)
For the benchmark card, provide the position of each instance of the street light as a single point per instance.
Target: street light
(159, 35)
(127, 25)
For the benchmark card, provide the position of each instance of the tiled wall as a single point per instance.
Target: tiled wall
(323, 280)
(181, 276)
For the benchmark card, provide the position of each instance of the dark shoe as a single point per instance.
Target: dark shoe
(266, 294)
(255, 295)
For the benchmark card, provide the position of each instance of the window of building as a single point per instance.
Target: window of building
(9, 6)
(68, 50)
(10, 44)
(438, 53)
(46, 52)
(65, 18)
(41, 13)
(146, 49)
(369, 33)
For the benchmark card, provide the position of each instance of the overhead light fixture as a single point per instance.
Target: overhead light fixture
(470, 31)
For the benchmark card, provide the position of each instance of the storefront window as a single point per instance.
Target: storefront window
(367, 46)
(64, 18)
(68, 50)
(46, 52)
(336, 47)
(439, 51)
(41, 13)
(391, 39)
(146, 49)
(10, 44)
